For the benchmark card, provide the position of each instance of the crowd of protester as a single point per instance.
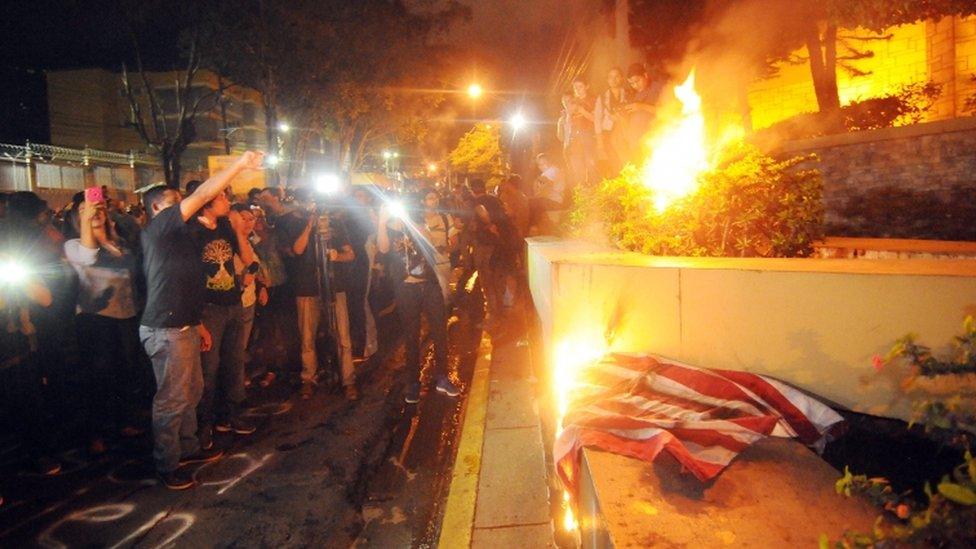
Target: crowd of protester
(600, 133)
(161, 317)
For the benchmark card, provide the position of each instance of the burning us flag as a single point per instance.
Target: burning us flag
(639, 405)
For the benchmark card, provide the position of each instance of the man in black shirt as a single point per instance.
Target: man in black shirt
(170, 328)
(220, 235)
(409, 254)
(296, 237)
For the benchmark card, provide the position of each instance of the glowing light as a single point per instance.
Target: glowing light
(475, 91)
(387, 155)
(432, 167)
(573, 355)
(271, 160)
(518, 121)
(396, 209)
(283, 127)
(678, 151)
(327, 183)
(569, 520)
(469, 287)
(13, 272)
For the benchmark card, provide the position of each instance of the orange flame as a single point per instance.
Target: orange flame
(679, 151)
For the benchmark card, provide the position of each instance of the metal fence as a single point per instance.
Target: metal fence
(34, 167)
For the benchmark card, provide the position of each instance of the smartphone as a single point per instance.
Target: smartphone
(94, 194)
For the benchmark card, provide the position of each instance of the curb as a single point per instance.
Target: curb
(456, 527)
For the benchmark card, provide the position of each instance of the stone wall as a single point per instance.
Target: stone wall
(942, 51)
(928, 156)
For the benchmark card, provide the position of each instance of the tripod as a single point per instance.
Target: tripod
(324, 274)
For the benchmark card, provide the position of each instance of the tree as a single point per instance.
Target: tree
(333, 67)
(163, 114)
(822, 34)
(479, 150)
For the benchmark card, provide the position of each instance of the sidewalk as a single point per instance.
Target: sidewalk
(499, 495)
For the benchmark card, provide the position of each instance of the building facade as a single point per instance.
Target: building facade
(89, 109)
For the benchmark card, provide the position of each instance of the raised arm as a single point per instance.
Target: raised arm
(210, 188)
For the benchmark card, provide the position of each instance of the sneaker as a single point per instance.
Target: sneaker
(268, 379)
(444, 386)
(351, 393)
(131, 431)
(236, 426)
(203, 456)
(47, 466)
(413, 393)
(97, 447)
(307, 388)
(177, 480)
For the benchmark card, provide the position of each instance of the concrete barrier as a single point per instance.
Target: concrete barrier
(814, 323)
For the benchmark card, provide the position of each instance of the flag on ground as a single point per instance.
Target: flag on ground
(639, 405)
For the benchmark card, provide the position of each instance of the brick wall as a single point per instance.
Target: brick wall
(928, 156)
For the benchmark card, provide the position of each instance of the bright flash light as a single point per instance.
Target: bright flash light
(283, 127)
(327, 183)
(13, 272)
(396, 209)
(432, 167)
(475, 91)
(517, 121)
(387, 155)
(271, 160)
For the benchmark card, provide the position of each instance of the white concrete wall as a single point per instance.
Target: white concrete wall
(815, 323)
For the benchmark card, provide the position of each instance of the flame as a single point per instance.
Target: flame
(679, 151)
(573, 354)
(569, 520)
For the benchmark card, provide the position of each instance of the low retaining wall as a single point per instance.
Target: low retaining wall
(815, 323)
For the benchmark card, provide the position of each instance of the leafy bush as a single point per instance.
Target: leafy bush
(947, 517)
(907, 105)
(892, 212)
(969, 104)
(750, 206)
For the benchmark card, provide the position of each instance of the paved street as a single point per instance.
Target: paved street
(301, 480)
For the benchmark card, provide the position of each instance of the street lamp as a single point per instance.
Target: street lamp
(387, 155)
(475, 91)
(271, 160)
(283, 127)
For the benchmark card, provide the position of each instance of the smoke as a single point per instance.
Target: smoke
(732, 46)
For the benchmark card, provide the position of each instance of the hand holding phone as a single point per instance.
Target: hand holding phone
(94, 195)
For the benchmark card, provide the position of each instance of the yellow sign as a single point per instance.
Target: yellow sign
(244, 181)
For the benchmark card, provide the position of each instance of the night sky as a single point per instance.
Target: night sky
(511, 44)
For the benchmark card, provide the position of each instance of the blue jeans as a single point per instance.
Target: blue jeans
(175, 356)
(223, 367)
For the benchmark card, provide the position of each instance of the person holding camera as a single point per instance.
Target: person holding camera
(296, 228)
(410, 260)
(106, 320)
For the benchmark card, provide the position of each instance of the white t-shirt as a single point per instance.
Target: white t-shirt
(555, 190)
(105, 289)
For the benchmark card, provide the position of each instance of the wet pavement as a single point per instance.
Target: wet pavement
(323, 472)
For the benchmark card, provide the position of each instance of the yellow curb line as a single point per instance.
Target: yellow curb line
(463, 495)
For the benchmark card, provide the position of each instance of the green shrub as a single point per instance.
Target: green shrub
(751, 205)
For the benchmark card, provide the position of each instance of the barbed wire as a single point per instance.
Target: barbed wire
(49, 153)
